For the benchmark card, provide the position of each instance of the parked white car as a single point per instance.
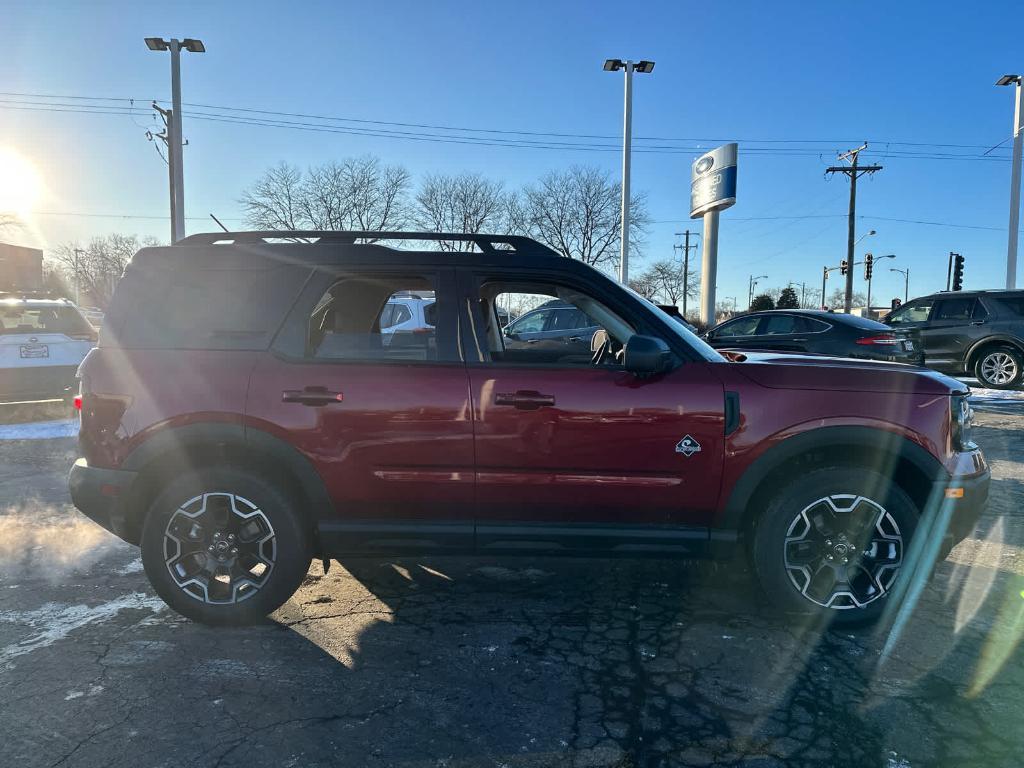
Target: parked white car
(42, 342)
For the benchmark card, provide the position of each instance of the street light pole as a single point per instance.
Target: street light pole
(906, 281)
(750, 289)
(877, 259)
(1018, 130)
(175, 159)
(628, 67)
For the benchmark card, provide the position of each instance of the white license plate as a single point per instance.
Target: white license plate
(35, 350)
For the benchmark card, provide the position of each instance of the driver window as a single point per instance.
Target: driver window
(578, 329)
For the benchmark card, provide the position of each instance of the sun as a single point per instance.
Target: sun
(20, 184)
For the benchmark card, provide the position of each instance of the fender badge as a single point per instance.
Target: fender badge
(688, 446)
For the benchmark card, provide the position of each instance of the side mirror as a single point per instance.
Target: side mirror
(646, 355)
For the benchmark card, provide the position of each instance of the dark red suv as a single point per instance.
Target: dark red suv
(245, 411)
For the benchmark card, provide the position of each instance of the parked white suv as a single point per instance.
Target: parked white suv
(42, 342)
(407, 313)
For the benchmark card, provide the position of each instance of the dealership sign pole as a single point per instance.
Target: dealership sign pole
(712, 189)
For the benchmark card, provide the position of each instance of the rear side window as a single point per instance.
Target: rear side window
(774, 325)
(22, 318)
(955, 309)
(192, 300)
(358, 319)
(810, 325)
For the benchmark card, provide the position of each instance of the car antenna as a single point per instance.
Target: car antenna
(218, 223)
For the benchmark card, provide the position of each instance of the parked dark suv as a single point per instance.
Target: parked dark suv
(243, 414)
(979, 333)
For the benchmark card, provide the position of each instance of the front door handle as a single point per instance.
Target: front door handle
(316, 397)
(525, 399)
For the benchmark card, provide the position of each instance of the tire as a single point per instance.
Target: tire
(1000, 368)
(817, 521)
(224, 547)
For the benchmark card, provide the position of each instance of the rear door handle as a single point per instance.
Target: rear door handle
(316, 397)
(524, 399)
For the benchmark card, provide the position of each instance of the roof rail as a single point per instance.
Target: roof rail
(516, 244)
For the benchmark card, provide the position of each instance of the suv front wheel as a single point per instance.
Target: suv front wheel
(999, 368)
(833, 543)
(224, 547)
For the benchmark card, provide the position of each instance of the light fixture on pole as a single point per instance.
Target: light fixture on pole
(628, 67)
(1018, 131)
(906, 281)
(174, 140)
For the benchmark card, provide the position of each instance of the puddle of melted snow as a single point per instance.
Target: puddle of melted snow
(55, 621)
(42, 541)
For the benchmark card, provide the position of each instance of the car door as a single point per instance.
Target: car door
(781, 332)
(951, 331)
(527, 329)
(740, 333)
(912, 319)
(572, 454)
(388, 426)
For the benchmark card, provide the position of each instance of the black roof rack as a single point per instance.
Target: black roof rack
(516, 244)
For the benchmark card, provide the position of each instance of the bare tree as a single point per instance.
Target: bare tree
(467, 203)
(357, 193)
(663, 281)
(99, 265)
(578, 213)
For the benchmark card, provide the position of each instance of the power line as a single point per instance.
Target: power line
(493, 132)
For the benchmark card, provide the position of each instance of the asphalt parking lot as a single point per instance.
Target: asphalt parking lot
(476, 662)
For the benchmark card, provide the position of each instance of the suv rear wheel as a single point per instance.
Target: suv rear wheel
(224, 547)
(999, 368)
(833, 542)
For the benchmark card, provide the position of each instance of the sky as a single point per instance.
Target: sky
(793, 82)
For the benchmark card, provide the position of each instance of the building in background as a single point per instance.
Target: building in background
(21, 268)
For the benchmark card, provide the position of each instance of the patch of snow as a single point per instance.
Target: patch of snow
(55, 621)
(133, 567)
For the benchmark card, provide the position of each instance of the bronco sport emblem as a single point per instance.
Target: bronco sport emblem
(687, 446)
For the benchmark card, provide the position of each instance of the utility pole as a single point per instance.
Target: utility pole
(853, 172)
(175, 160)
(628, 67)
(686, 263)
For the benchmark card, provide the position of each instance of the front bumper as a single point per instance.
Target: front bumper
(101, 494)
(963, 499)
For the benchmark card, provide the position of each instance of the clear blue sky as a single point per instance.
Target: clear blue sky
(831, 73)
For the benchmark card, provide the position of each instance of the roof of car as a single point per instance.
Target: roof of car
(995, 293)
(29, 301)
(840, 317)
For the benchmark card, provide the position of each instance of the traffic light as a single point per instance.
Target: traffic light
(958, 271)
(868, 264)
(843, 266)
(896, 304)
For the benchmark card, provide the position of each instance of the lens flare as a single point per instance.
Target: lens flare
(20, 184)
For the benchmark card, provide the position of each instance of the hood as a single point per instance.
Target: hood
(840, 374)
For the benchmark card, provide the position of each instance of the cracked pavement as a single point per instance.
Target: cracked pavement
(498, 662)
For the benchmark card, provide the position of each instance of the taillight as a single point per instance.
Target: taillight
(880, 338)
(78, 402)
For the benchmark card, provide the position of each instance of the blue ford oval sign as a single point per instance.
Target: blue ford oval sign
(713, 180)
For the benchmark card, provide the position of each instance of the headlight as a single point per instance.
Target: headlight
(961, 417)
